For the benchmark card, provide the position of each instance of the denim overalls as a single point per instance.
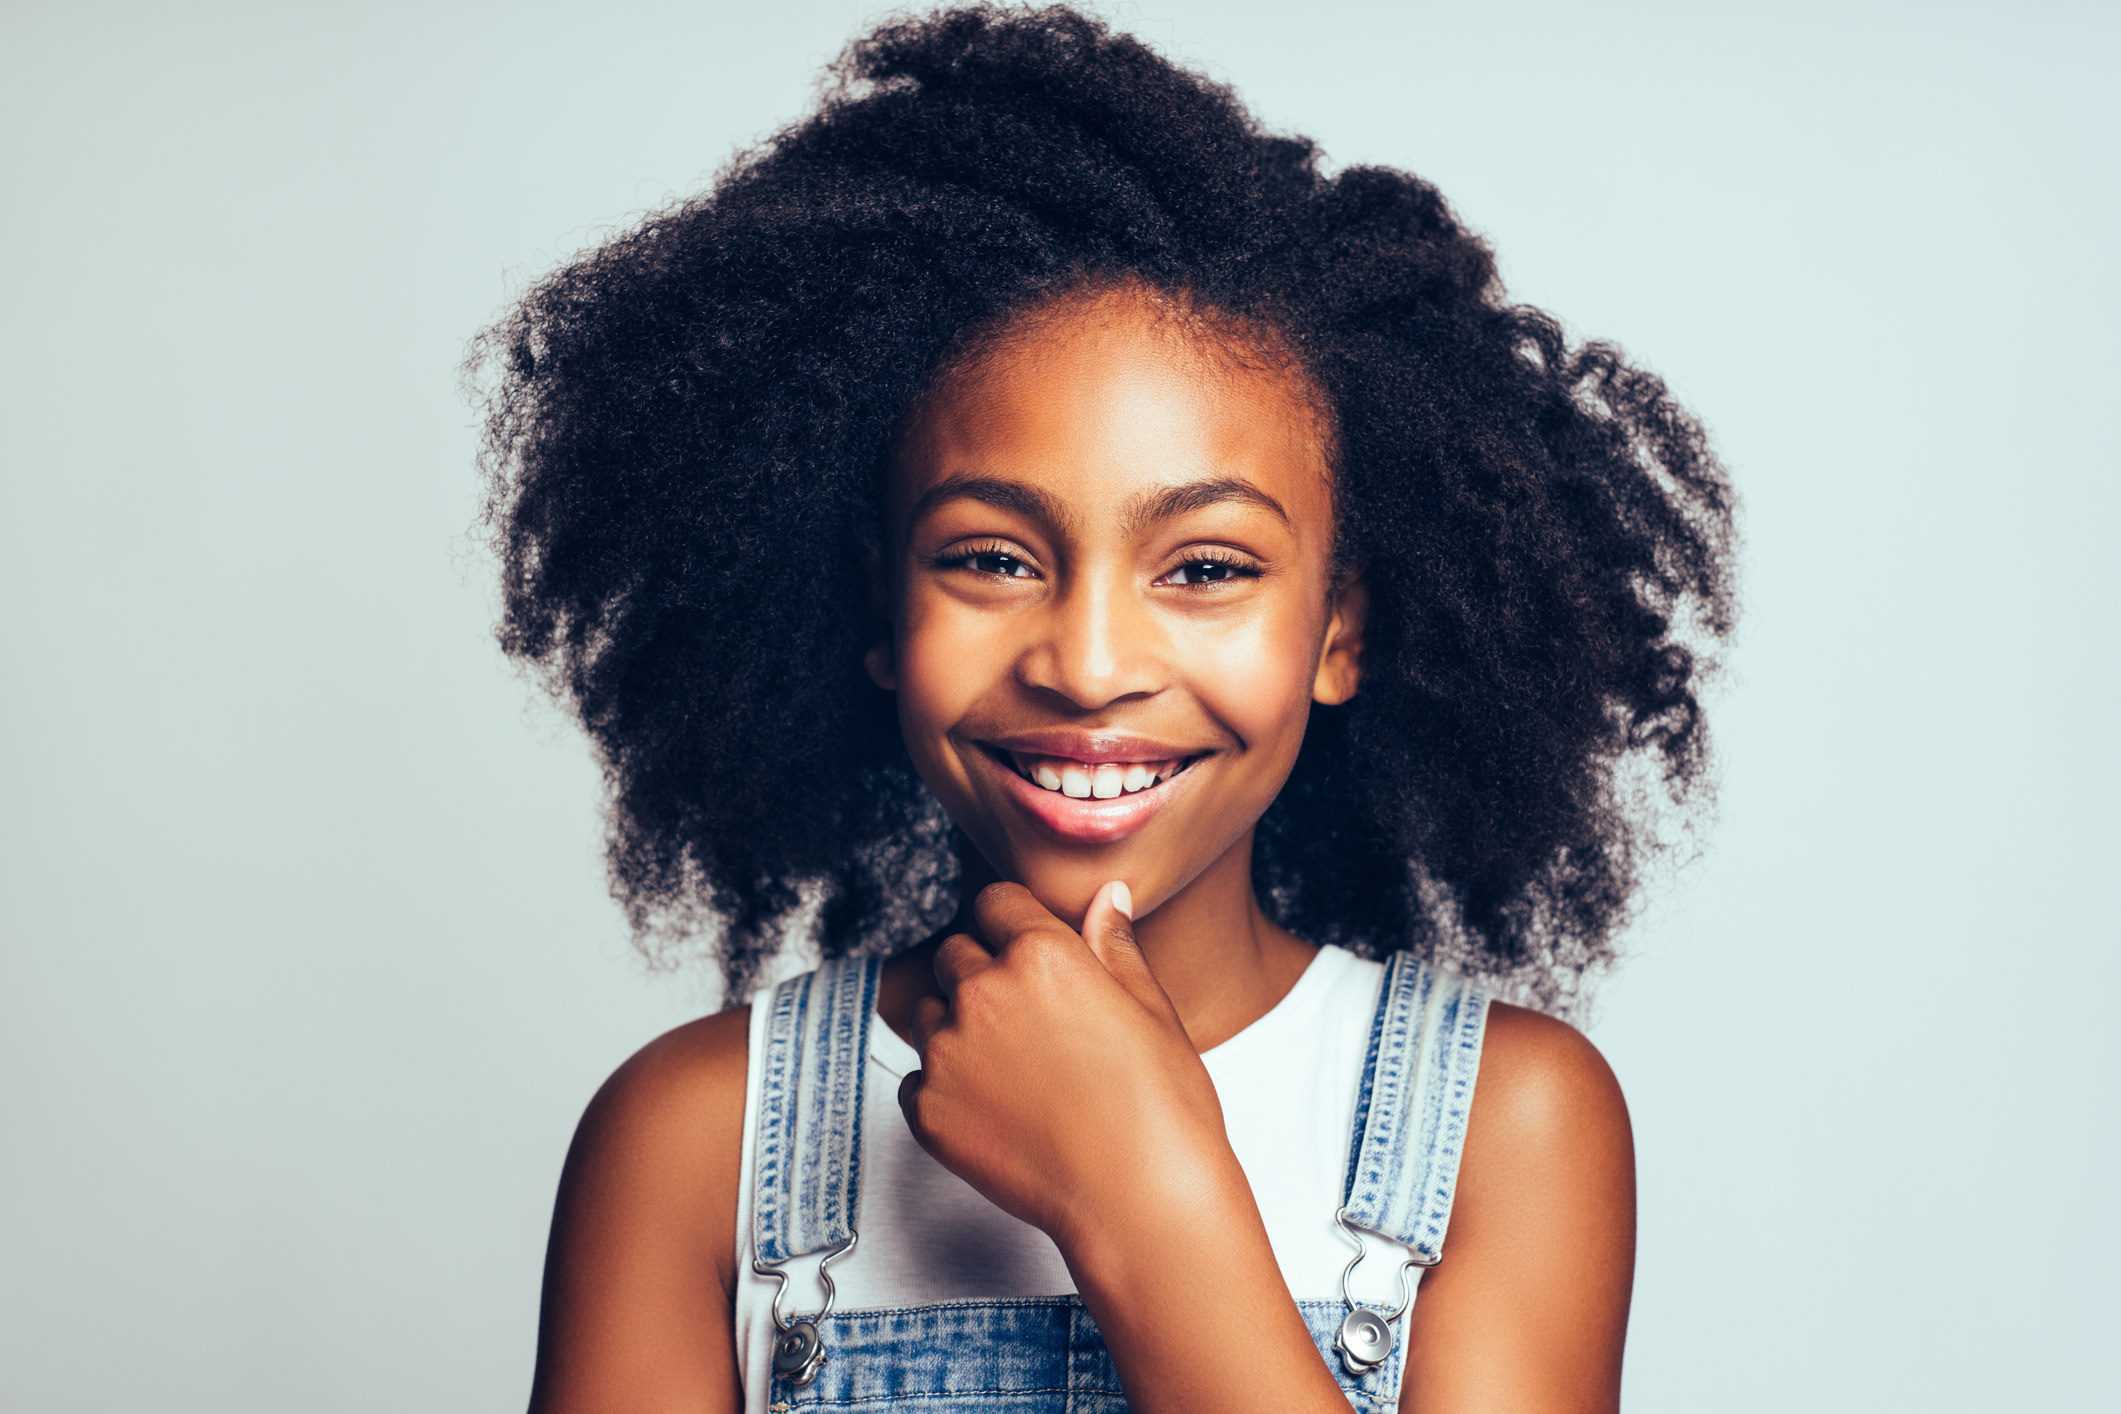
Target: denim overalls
(1043, 1355)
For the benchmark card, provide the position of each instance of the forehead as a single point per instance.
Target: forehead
(1106, 399)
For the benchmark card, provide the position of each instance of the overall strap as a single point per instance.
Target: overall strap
(807, 1154)
(1410, 1116)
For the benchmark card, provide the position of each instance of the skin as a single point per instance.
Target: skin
(1110, 527)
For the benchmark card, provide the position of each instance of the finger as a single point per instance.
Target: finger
(1003, 912)
(916, 1104)
(930, 1015)
(909, 1099)
(957, 957)
(1108, 927)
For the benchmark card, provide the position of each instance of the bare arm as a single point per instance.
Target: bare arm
(640, 1280)
(1527, 1313)
(1529, 1309)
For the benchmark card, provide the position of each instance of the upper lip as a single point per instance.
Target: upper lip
(1076, 744)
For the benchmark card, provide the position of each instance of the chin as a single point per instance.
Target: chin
(1066, 886)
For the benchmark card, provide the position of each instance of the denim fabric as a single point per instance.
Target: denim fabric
(808, 1176)
(1044, 1355)
(1025, 1356)
(1416, 1094)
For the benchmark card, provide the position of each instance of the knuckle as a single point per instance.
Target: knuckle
(996, 904)
(1002, 891)
(1044, 951)
(936, 1054)
(956, 953)
(1037, 945)
(975, 994)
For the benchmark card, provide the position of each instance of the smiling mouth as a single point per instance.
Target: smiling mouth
(1091, 780)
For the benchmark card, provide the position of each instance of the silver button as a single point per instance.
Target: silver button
(1364, 1340)
(797, 1353)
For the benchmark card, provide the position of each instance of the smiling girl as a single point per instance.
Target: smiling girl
(1029, 524)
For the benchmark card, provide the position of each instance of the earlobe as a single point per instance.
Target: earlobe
(882, 665)
(1340, 659)
(881, 661)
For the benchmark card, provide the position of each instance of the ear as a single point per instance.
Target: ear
(1340, 659)
(882, 663)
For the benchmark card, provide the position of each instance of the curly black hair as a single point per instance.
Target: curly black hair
(687, 429)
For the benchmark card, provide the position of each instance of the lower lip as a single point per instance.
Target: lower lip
(1086, 821)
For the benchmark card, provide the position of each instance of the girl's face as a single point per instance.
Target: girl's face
(1112, 600)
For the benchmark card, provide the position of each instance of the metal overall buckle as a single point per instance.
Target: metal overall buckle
(1365, 1338)
(798, 1349)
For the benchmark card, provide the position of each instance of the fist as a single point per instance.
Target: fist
(1056, 1077)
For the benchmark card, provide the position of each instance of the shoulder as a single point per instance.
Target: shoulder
(661, 1144)
(1548, 1168)
(1545, 1093)
(703, 1060)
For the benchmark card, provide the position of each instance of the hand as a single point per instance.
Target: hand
(1057, 1079)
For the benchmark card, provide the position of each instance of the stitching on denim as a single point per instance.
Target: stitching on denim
(1430, 1026)
(858, 1074)
(1371, 1392)
(1382, 1152)
(1369, 1075)
(806, 1189)
(969, 1303)
(819, 1162)
(1458, 1066)
(815, 1167)
(907, 1398)
(774, 1159)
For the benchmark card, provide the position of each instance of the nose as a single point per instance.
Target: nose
(1095, 644)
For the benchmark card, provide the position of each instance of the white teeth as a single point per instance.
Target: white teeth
(1103, 781)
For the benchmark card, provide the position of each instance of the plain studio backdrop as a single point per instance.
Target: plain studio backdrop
(308, 961)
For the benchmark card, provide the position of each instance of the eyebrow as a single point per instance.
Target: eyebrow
(1199, 495)
(1036, 503)
(1033, 502)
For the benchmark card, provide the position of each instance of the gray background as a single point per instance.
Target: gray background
(308, 965)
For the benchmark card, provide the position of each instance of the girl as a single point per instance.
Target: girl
(1031, 523)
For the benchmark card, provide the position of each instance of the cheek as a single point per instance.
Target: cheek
(1256, 679)
(944, 665)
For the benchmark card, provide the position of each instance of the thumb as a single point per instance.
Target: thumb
(1108, 927)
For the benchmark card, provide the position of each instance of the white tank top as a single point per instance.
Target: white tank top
(1288, 1084)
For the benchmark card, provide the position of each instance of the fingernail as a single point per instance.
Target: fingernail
(1123, 900)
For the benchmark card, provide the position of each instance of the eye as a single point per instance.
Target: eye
(1210, 569)
(996, 561)
(1006, 566)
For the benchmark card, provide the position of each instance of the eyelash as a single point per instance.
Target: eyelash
(967, 557)
(1238, 566)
